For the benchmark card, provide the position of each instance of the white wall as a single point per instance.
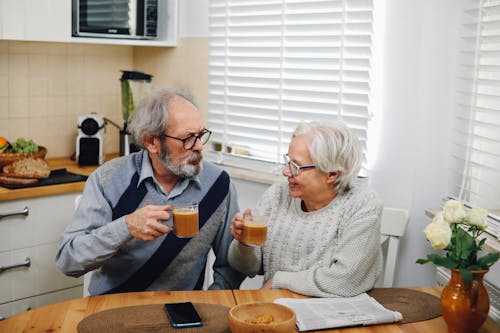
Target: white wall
(418, 83)
(419, 72)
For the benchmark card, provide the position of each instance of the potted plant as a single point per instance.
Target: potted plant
(464, 301)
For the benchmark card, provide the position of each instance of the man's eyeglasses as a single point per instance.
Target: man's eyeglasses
(189, 141)
(293, 167)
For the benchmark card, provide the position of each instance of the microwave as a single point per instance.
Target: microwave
(128, 19)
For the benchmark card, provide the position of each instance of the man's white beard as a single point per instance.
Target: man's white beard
(184, 169)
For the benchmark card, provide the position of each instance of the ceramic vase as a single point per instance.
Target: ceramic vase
(465, 307)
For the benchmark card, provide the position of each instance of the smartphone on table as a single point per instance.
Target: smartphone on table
(183, 315)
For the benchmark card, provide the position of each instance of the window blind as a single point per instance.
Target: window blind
(274, 63)
(476, 149)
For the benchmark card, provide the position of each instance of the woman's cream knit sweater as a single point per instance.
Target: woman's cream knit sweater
(334, 251)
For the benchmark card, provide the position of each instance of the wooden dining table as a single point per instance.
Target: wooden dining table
(65, 316)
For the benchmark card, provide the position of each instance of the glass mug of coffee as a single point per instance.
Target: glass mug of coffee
(254, 230)
(185, 218)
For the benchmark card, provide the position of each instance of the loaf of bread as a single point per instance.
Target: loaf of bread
(17, 181)
(27, 168)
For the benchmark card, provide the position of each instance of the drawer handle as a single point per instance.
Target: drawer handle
(25, 211)
(26, 263)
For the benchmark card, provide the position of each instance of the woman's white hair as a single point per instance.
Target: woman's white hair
(151, 116)
(333, 148)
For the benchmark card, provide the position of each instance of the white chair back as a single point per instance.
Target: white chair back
(393, 226)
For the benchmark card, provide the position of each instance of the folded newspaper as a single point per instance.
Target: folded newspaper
(322, 313)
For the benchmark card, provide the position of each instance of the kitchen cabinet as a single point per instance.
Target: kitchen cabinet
(13, 308)
(35, 236)
(36, 20)
(50, 21)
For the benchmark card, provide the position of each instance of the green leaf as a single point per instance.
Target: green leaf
(465, 245)
(481, 243)
(422, 261)
(466, 276)
(438, 260)
(488, 260)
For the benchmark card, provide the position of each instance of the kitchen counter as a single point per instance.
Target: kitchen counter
(71, 166)
(39, 191)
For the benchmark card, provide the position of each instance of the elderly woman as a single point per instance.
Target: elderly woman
(323, 230)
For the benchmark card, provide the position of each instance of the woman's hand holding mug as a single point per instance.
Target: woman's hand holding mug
(248, 229)
(237, 225)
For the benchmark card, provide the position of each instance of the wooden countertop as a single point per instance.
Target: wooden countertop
(65, 316)
(39, 191)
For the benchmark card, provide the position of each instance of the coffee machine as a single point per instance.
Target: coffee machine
(90, 140)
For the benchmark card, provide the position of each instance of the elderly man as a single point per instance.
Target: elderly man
(120, 228)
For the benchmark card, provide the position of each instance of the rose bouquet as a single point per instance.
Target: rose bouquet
(456, 232)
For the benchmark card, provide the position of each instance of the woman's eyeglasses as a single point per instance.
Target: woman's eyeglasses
(293, 167)
(190, 141)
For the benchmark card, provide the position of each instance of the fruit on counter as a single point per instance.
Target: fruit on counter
(20, 146)
(4, 144)
(23, 146)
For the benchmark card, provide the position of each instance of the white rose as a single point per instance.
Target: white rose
(438, 234)
(438, 218)
(478, 217)
(453, 211)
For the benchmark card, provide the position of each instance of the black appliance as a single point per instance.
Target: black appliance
(131, 19)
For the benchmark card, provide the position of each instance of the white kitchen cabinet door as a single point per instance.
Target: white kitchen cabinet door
(13, 308)
(47, 218)
(48, 20)
(35, 236)
(35, 20)
(42, 276)
(13, 17)
(1, 18)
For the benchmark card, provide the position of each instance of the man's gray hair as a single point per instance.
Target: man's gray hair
(333, 147)
(151, 116)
